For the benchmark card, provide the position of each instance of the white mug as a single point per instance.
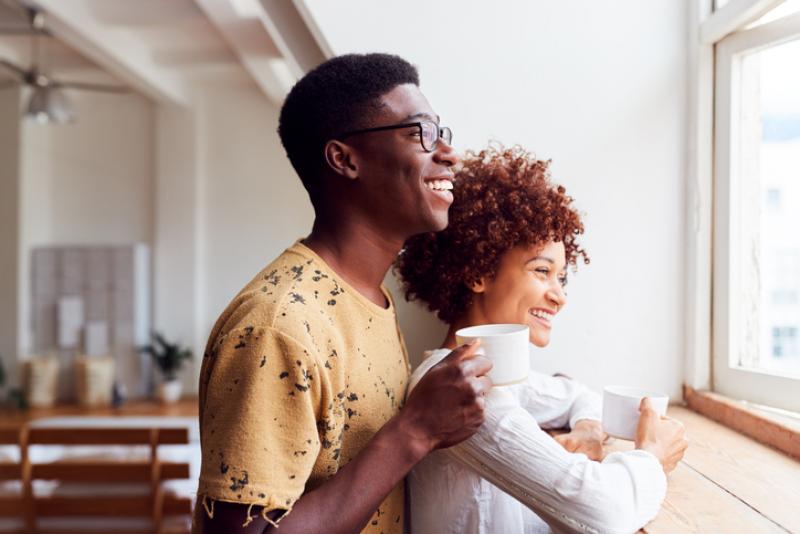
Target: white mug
(621, 409)
(506, 345)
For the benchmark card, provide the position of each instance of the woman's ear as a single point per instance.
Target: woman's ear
(478, 287)
(341, 159)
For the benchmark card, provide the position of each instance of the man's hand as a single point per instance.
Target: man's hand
(661, 436)
(446, 407)
(586, 437)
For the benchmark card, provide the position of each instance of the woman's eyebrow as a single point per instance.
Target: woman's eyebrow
(548, 259)
(544, 258)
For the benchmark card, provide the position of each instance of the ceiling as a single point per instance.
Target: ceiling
(167, 48)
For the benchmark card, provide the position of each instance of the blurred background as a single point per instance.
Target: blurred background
(179, 154)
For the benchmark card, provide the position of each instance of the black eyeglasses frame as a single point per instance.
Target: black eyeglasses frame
(442, 132)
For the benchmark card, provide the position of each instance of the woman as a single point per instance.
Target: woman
(503, 259)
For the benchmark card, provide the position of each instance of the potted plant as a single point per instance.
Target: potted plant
(14, 397)
(169, 358)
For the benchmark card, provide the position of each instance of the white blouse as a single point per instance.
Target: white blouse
(511, 477)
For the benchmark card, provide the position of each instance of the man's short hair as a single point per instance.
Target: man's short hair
(339, 95)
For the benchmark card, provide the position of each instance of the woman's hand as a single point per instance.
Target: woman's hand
(661, 436)
(586, 437)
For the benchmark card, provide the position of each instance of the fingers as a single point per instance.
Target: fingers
(481, 385)
(675, 422)
(675, 426)
(592, 450)
(649, 418)
(476, 366)
(566, 441)
(571, 446)
(464, 351)
(466, 358)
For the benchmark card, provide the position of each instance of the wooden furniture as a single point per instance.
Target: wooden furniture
(727, 483)
(154, 505)
(186, 407)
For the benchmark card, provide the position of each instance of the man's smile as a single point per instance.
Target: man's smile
(441, 186)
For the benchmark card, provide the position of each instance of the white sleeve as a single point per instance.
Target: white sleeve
(557, 401)
(618, 495)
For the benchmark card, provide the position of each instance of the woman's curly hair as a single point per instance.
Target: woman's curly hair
(503, 199)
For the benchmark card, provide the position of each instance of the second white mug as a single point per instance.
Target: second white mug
(621, 409)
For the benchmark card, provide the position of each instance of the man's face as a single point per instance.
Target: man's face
(401, 187)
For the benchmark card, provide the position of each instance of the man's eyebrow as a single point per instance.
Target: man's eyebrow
(421, 115)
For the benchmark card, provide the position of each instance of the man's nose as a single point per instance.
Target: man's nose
(445, 154)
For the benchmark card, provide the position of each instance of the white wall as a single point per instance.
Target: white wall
(90, 182)
(253, 204)
(228, 202)
(176, 290)
(599, 87)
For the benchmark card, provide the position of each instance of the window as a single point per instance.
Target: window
(756, 241)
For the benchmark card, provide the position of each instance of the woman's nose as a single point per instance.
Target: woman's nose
(557, 295)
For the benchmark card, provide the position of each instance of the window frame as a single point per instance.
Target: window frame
(755, 385)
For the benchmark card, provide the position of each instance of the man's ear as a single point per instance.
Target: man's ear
(478, 287)
(341, 159)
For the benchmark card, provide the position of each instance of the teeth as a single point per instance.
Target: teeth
(439, 185)
(542, 314)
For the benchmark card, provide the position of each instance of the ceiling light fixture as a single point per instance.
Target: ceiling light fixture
(49, 104)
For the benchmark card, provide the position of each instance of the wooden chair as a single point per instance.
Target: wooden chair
(154, 505)
(10, 506)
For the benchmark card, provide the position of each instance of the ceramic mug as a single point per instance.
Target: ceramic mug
(506, 345)
(621, 409)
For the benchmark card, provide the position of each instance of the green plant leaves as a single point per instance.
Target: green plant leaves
(168, 357)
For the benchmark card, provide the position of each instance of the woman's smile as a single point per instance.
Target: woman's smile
(543, 317)
(527, 289)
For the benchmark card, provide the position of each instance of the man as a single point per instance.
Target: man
(304, 375)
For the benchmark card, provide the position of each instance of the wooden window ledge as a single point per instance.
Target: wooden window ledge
(751, 422)
(726, 482)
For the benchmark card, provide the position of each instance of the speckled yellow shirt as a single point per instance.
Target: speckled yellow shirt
(299, 373)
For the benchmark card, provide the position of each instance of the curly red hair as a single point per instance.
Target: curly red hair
(503, 199)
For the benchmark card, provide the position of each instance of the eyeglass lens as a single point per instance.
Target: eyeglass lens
(447, 134)
(431, 132)
(430, 135)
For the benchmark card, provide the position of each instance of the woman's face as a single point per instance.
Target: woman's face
(528, 289)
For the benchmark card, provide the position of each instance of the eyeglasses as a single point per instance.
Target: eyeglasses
(429, 133)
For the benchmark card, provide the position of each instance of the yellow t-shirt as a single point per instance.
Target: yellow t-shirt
(299, 373)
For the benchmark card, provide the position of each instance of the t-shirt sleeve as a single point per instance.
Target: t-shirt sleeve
(263, 393)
